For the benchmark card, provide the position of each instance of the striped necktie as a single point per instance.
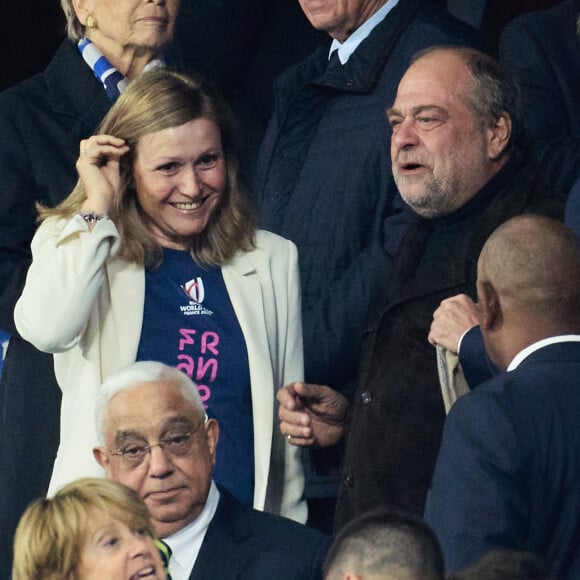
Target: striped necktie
(165, 553)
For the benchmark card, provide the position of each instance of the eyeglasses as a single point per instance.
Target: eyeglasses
(175, 445)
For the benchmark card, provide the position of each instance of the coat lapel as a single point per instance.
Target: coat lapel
(243, 282)
(222, 553)
(87, 102)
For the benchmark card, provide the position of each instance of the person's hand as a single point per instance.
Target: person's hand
(311, 415)
(98, 169)
(454, 316)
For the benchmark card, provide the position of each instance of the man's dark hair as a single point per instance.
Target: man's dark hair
(383, 541)
(494, 93)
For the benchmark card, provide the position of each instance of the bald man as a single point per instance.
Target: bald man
(509, 465)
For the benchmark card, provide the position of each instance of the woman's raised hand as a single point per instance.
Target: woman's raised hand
(98, 169)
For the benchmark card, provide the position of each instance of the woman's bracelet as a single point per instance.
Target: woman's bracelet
(92, 217)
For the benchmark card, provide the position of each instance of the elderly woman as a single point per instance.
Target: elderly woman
(92, 529)
(154, 256)
(42, 121)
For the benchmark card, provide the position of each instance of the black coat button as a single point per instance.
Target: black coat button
(366, 397)
(348, 480)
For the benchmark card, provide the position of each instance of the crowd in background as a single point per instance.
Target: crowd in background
(341, 293)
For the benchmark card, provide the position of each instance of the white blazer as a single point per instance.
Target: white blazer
(85, 305)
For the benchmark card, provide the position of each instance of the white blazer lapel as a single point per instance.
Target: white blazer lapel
(242, 279)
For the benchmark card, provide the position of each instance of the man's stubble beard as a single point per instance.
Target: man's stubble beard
(436, 199)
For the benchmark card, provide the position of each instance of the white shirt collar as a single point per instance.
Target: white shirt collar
(346, 48)
(526, 352)
(186, 543)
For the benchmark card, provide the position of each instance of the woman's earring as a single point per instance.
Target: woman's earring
(91, 22)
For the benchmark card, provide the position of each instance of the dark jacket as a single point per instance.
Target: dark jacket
(507, 475)
(42, 121)
(475, 363)
(244, 544)
(572, 214)
(542, 51)
(324, 178)
(397, 413)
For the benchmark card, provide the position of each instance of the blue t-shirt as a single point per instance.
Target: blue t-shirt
(189, 322)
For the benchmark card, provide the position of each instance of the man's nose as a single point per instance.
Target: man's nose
(159, 461)
(405, 135)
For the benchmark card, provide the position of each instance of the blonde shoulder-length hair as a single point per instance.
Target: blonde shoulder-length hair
(52, 532)
(155, 101)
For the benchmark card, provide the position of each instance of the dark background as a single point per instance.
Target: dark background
(30, 32)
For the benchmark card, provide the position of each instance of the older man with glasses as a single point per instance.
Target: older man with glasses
(157, 439)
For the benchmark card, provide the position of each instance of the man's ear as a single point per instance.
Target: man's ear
(498, 136)
(489, 306)
(102, 457)
(212, 433)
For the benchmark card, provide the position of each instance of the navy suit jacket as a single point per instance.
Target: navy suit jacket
(244, 544)
(572, 214)
(542, 50)
(508, 471)
(476, 365)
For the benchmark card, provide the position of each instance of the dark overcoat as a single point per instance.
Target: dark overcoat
(507, 475)
(397, 412)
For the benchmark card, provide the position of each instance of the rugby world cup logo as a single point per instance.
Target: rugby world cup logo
(194, 290)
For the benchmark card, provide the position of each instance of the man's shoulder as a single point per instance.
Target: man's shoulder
(66, 88)
(262, 546)
(26, 95)
(531, 384)
(520, 187)
(433, 16)
(550, 20)
(38, 83)
(529, 183)
(432, 25)
(303, 71)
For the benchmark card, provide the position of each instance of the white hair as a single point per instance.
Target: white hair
(136, 374)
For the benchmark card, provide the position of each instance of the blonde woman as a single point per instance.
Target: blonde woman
(91, 529)
(155, 256)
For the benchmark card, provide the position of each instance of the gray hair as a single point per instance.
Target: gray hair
(494, 93)
(74, 29)
(136, 374)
